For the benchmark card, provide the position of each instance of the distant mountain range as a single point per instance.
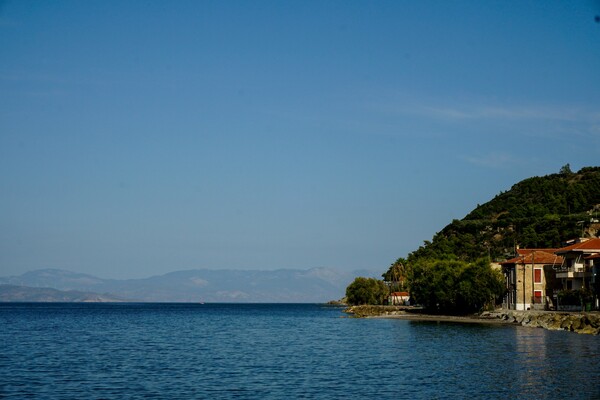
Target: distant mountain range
(14, 293)
(199, 285)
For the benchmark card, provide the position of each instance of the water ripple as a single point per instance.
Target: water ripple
(179, 351)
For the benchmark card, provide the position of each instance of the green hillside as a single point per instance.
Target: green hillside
(537, 212)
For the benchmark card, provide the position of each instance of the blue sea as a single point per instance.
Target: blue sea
(279, 351)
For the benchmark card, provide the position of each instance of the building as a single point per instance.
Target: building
(530, 279)
(595, 281)
(580, 268)
(399, 299)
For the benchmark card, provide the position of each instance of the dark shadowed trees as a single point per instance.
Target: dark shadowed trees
(366, 291)
(455, 287)
(396, 276)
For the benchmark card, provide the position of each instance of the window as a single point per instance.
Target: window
(537, 275)
(537, 296)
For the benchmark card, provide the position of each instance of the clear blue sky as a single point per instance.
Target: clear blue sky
(142, 137)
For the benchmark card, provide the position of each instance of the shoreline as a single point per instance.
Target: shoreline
(473, 319)
(578, 322)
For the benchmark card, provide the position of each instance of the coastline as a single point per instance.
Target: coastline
(471, 319)
(416, 314)
(578, 322)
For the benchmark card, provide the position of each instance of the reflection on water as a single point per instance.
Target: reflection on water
(500, 361)
(531, 356)
(565, 363)
(280, 351)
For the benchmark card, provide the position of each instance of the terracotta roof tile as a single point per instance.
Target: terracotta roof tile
(589, 245)
(523, 252)
(536, 256)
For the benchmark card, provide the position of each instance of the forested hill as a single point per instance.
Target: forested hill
(539, 212)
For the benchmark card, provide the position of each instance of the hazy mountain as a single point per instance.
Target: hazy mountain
(205, 285)
(55, 278)
(39, 294)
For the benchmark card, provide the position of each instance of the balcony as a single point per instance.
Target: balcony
(576, 271)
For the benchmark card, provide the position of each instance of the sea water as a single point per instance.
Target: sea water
(279, 351)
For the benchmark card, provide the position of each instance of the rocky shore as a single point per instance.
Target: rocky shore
(579, 322)
(583, 322)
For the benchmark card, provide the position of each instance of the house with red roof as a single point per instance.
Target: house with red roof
(580, 268)
(399, 298)
(530, 279)
(594, 261)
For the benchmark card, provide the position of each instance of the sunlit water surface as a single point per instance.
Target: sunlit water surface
(277, 351)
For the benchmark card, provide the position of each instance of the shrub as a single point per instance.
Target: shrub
(569, 297)
(455, 287)
(575, 297)
(366, 291)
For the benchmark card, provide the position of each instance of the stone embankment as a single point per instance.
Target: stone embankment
(376, 311)
(583, 322)
(579, 322)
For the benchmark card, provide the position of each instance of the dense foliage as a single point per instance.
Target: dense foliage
(366, 291)
(575, 297)
(448, 274)
(455, 287)
(396, 276)
(540, 212)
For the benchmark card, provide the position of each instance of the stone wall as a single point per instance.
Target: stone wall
(588, 323)
(579, 322)
(375, 311)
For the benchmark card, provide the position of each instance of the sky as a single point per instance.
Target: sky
(143, 137)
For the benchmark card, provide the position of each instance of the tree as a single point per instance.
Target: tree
(396, 275)
(566, 170)
(536, 212)
(366, 291)
(455, 287)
